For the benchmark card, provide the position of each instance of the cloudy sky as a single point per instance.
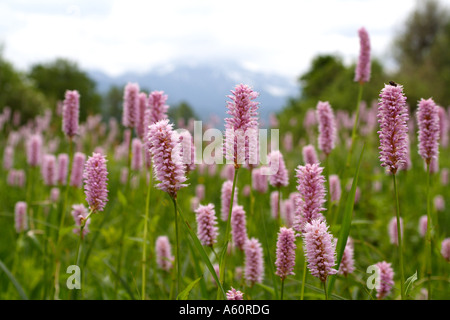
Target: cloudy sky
(128, 35)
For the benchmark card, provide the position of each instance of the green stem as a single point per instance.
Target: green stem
(428, 235)
(302, 292)
(222, 262)
(66, 193)
(324, 283)
(328, 184)
(279, 207)
(144, 240)
(399, 235)
(124, 222)
(252, 197)
(282, 288)
(355, 125)
(177, 248)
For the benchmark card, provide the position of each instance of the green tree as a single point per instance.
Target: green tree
(421, 52)
(181, 111)
(113, 103)
(329, 79)
(17, 92)
(54, 78)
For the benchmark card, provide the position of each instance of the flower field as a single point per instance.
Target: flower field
(356, 208)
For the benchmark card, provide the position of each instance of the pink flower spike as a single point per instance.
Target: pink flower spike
(130, 115)
(428, 123)
(164, 257)
(445, 249)
(234, 294)
(20, 216)
(48, 169)
(393, 118)
(242, 125)
(320, 250)
(70, 113)
(260, 181)
(386, 274)
(200, 191)
(165, 148)
(238, 226)
(335, 188)
(157, 108)
(76, 175)
(309, 154)
(285, 253)
(362, 72)
(311, 200)
(143, 104)
(137, 160)
(423, 223)
(327, 127)
(254, 263)
(347, 265)
(443, 127)
(206, 224)
(280, 177)
(63, 168)
(95, 182)
(34, 150)
(227, 188)
(393, 231)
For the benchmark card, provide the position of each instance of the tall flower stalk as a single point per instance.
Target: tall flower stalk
(95, 176)
(239, 141)
(165, 148)
(362, 75)
(428, 123)
(327, 137)
(152, 110)
(392, 118)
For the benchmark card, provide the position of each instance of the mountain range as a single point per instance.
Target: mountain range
(204, 86)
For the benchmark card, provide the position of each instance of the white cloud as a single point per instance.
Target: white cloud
(279, 36)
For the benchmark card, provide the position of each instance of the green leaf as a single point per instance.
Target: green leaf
(409, 282)
(201, 251)
(346, 221)
(184, 295)
(16, 284)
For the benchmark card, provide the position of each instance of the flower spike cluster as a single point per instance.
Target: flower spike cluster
(393, 133)
(285, 253)
(95, 182)
(327, 127)
(206, 224)
(165, 148)
(311, 188)
(130, 115)
(70, 113)
(242, 125)
(320, 250)
(362, 72)
(428, 122)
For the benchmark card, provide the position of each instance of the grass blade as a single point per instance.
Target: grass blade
(201, 251)
(184, 295)
(346, 221)
(16, 284)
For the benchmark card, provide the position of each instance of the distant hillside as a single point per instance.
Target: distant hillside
(205, 86)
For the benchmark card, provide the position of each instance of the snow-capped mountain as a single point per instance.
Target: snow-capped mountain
(205, 85)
